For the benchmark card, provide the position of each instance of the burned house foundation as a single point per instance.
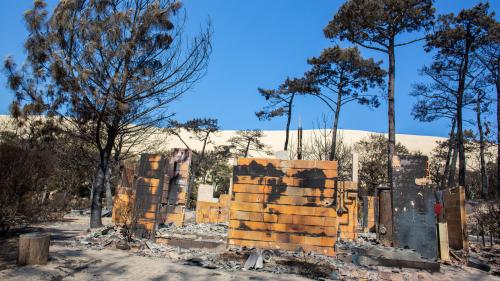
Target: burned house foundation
(297, 206)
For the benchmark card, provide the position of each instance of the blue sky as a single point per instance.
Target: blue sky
(258, 44)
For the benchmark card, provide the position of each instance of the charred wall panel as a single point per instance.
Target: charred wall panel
(213, 212)
(455, 215)
(369, 210)
(174, 197)
(148, 190)
(413, 203)
(291, 205)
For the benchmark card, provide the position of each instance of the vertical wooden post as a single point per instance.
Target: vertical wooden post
(33, 248)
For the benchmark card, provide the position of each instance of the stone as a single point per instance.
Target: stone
(476, 263)
(122, 245)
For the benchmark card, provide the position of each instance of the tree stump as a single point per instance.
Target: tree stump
(33, 248)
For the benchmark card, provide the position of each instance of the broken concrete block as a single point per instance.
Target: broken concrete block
(476, 263)
(393, 257)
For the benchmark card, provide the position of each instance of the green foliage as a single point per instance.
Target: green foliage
(280, 100)
(346, 74)
(375, 24)
(372, 153)
(244, 142)
(454, 69)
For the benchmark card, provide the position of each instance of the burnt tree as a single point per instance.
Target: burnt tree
(455, 39)
(112, 66)
(280, 102)
(376, 25)
(342, 76)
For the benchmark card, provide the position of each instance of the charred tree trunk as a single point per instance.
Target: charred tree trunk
(498, 128)
(109, 193)
(99, 183)
(460, 145)
(460, 134)
(391, 144)
(390, 112)
(288, 121)
(333, 149)
(97, 189)
(484, 177)
(453, 164)
(448, 156)
(247, 148)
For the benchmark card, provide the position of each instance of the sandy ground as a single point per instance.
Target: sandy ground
(68, 262)
(75, 263)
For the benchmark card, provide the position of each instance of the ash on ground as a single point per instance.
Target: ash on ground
(346, 265)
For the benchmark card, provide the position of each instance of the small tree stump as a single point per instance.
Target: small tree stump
(33, 248)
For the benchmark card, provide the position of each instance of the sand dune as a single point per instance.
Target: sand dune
(274, 139)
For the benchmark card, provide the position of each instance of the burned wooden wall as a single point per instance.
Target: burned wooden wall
(148, 190)
(155, 192)
(123, 201)
(413, 207)
(213, 212)
(176, 185)
(455, 216)
(369, 211)
(289, 205)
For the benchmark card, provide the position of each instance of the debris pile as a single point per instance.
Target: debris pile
(363, 258)
(483, 258)
(193, 229)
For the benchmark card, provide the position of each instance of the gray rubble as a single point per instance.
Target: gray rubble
(360, 259)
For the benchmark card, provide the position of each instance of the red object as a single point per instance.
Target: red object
(438, 208)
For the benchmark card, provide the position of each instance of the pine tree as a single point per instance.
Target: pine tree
(112, 66)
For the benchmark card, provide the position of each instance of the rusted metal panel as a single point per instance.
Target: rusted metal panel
(413, 203)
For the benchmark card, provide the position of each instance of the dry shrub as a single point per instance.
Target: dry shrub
(24, 172)
(486, 218)
(125, 212)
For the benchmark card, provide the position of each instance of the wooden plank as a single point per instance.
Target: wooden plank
(283, 200)
(311, 164)
(298, 164)
(151, 182)
(283, 218)
(176, 209)
(287, 191)
(177, 219)
(270, 236)
(444, 246)
(271, 171)
(279, 227)
(283, 246)
(285, 181)
(283, 209)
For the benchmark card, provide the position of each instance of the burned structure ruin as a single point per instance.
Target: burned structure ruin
(296, 205)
